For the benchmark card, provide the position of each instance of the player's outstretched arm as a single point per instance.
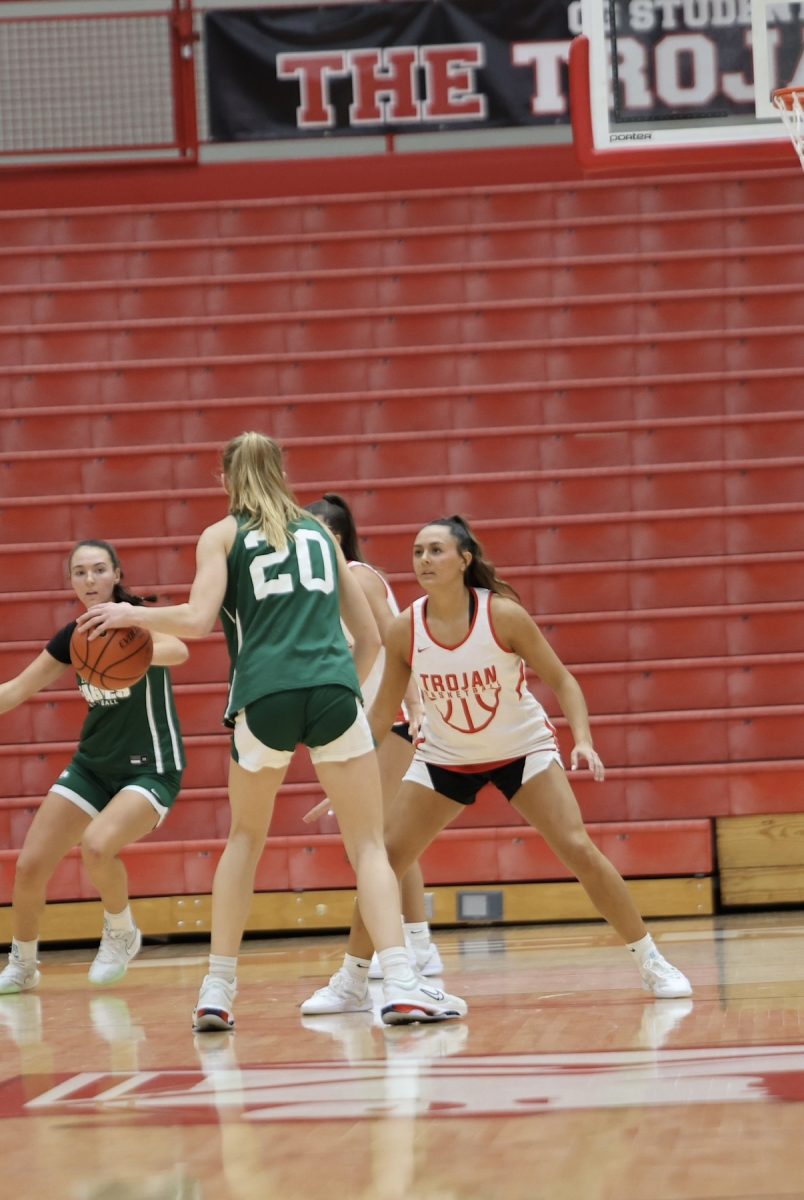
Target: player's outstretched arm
(43, 670)
(196, 618)
(517, 630)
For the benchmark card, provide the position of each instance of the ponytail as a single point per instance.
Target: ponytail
(254, 477)
(336, 514)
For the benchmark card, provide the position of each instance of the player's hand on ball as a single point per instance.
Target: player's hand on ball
(110, 615)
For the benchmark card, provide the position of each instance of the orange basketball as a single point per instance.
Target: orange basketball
(113, 661)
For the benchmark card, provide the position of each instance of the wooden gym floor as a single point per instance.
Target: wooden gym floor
(565, 1082)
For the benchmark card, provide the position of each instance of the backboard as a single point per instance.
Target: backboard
(675, 82)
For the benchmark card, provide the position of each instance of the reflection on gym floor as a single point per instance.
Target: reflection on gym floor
(565, 1082)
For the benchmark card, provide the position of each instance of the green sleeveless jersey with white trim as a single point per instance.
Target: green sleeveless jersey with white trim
(130, 730)
(282, 616)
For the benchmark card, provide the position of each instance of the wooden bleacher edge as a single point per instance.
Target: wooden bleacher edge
(331, 911)
(761, 859)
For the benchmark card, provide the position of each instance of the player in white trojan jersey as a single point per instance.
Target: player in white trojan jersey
(467, 643)
(478, 708)
(396, 752)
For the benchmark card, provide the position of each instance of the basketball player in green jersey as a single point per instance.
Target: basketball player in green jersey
(122, 781)
(281, 586)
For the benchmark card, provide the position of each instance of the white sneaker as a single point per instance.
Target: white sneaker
(663, 979)
(117, 948)
(375, 969)
(427, 964)
(215, 1003)
(340, 995)
(18, 976)
(419, 1002)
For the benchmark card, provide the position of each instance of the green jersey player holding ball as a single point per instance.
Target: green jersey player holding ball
(280, 584)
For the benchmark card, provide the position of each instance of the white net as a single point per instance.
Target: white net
(790, 103)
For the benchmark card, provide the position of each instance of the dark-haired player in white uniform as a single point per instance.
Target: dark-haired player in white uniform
(468, 642)
(394, 753)
(121, 783)
(280, 584)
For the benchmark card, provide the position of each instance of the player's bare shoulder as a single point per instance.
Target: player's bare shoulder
(370, 579)
(219, 536)
(510, 620)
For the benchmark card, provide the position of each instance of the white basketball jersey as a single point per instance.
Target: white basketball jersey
(372, 683)
(477, 705)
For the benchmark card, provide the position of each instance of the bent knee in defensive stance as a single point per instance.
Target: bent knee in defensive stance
(95, 847)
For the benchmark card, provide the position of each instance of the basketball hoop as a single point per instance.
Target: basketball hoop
(790, 103)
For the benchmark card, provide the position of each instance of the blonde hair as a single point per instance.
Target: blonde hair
(255, 481)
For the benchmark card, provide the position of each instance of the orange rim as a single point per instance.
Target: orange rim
(784, 96)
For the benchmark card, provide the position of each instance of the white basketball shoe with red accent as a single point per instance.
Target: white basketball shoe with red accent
(214, 1009)
(419, 1001)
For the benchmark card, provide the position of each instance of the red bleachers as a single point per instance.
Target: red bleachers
(560, 361)
(717, 397)
(561, 492)
(162, 252)
(603, 376)
(555, 278)
(492, 319)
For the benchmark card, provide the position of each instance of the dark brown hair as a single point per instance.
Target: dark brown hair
(120, 593)
(336, 514)
(480, 571)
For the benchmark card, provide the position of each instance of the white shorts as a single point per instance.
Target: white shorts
(254, 755)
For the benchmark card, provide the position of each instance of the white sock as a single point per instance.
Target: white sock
(417, 933)
(357, 970)
(221, 967)
(395, 963)
(642, 948)
(121, 922)
(24, 952)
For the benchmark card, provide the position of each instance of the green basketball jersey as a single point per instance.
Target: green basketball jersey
(127, 731)
(282, 616)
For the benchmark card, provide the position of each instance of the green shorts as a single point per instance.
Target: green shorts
(92, 792)
(328, 718)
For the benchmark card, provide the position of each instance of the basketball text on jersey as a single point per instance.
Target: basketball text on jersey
(466, 701)
(99, 697)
